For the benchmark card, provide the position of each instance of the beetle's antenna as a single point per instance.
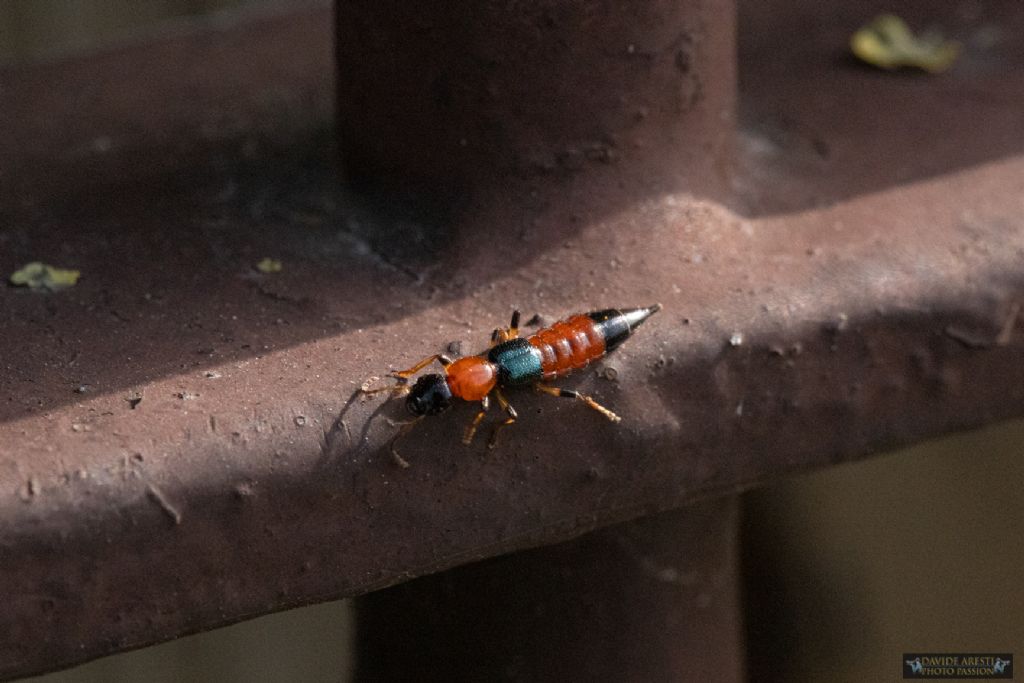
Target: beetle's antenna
(397, 390)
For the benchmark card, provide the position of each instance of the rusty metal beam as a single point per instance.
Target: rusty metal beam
(484, 106)
(860, 289)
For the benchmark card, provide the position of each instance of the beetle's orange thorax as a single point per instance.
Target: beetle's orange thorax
(472, 378)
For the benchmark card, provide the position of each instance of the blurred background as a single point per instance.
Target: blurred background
(845, 569)
(41, 29)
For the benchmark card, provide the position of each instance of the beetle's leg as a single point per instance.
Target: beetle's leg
(402, 388)
(509, 410)
(511, 332)
(467, 436)
(406, 426)
(406, 374)
(569, 393)
(513, 327)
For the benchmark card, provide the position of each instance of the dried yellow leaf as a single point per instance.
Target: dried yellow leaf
(269, 265)
(888, 43)
(36, 275)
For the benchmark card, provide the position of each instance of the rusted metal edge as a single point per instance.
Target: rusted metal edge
(250, 483)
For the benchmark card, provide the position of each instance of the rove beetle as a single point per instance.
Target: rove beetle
(512, 360)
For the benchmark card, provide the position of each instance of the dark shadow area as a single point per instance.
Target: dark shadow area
(166, 172)
(787, 598)
(847, 569)
(818, 127)
(167, 200)
(169, 271)
(650, 600)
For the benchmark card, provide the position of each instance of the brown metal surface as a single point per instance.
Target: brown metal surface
(650, 600)
(862, 292)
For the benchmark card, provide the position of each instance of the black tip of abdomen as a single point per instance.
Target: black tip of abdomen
(617, 324)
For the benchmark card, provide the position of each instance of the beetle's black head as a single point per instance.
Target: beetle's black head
(429, 396)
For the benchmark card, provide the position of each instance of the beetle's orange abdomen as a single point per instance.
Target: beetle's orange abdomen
(471, 378)
(568, 345)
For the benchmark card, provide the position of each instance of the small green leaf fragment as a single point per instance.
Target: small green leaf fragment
(888, 43)
(40, 276)
(269, 265)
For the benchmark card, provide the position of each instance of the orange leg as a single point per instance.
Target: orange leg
(402, 388)
(467, 437)
(513, 327)
(406, 374)
(512, 415)
(568, 393)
